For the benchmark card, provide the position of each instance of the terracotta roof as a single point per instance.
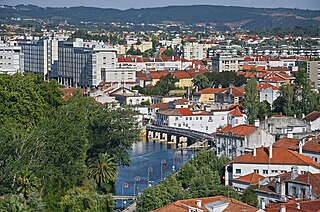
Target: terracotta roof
(243, 130)
(158, 74)
(311, 179)
(270, 187)
(264, 86)
(312, 145)
(236, 112)
(182, 205)
(180, 74)
(142, 76)
(312, 116)
(251, 179)
(211, 90)
(279, 156)
(305, 206)
(160, 105)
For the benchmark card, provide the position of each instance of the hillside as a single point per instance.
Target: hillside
(245, 17)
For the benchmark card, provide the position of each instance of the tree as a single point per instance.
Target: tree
(278, 105)
(249, 196)
(167, 53)
(251, 100)
(201, 82)
(102, 170)
(289, 105)
(27, 183)
(264, 109)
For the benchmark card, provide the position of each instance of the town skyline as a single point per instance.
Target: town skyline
(124, 4)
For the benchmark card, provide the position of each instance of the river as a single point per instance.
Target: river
(145, 155)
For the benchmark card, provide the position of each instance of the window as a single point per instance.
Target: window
(177, 118)
(187, 118)
(265, 171)
(256, 171)
(238, 171)
(207, 128)
(274, 171)
(303, 172)
(190, 118)
(294, 192)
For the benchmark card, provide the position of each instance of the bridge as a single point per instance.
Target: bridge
(119, 197)
(180, 137)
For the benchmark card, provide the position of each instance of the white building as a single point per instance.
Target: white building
(269, 161)
(194, 51)
(227, 62)
(11, 58)
(313, 119)
(313, 69)
(184, 118)
(268, 92)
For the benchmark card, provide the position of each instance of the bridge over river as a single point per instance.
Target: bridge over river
(181, 137)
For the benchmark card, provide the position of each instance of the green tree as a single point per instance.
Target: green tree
(251, 100)
(249, 196)
(102, 170)
(201, 82)
(289, 97)
(28, 183)
(168, 53)
(264, 109)
(163, 86)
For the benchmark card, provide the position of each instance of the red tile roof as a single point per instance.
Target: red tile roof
(279, 156)
(312, 116)
(305, 206)
(251, 179)
(182, 205)
(242, 130)
(211, 90)
(158, 74)
(180, 74)
(236, 112)
(264, 86)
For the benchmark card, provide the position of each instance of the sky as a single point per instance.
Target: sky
(126, 4)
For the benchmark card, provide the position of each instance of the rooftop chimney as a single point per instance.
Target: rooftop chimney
(298, 205)
(256, 122)
(300, 147)
(283, 208)
(289, 134)
(263, 204)
(199, 205)
(294, 172)
(270, 151)
(254, 150)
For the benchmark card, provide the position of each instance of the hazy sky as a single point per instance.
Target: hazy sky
(125, 4)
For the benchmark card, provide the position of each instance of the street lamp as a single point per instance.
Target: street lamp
(124, 185)
(164, 163)
(135, 188)
(150, 169)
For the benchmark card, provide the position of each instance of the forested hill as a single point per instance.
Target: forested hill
(226, 16)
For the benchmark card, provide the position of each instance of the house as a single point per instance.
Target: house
(289, 186)
(268, 161)
(213, 204)
(308, 146)
(156, 75)
(229, 96)
(184, 79)
(238, 138)
(244, 182)
(282, 126)
(185, 118)
(278, 79)
(306, 206)
(313, 119)
(143, 79)
(207, 95)
(268, 92)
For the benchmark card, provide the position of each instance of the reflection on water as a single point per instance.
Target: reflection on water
(143, 156)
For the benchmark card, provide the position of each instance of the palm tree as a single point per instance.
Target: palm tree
(28, 182)
(103, 169)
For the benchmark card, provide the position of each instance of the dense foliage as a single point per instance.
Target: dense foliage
(199, 177)
(299, 98)
(225, 79)
(47, 143)
(251, 100)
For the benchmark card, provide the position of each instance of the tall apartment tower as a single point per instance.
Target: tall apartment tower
(11, 58)
(86, 64)
(313, 68)
(39, 56)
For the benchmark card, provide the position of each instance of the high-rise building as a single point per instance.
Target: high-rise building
(313, 68)
(227, 62)
(88, 64)
(39, 56)
(10, 58)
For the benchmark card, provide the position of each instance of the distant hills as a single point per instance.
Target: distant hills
(219, 16)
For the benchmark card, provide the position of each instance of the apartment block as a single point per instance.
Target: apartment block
(313, 68)
(10, 58)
